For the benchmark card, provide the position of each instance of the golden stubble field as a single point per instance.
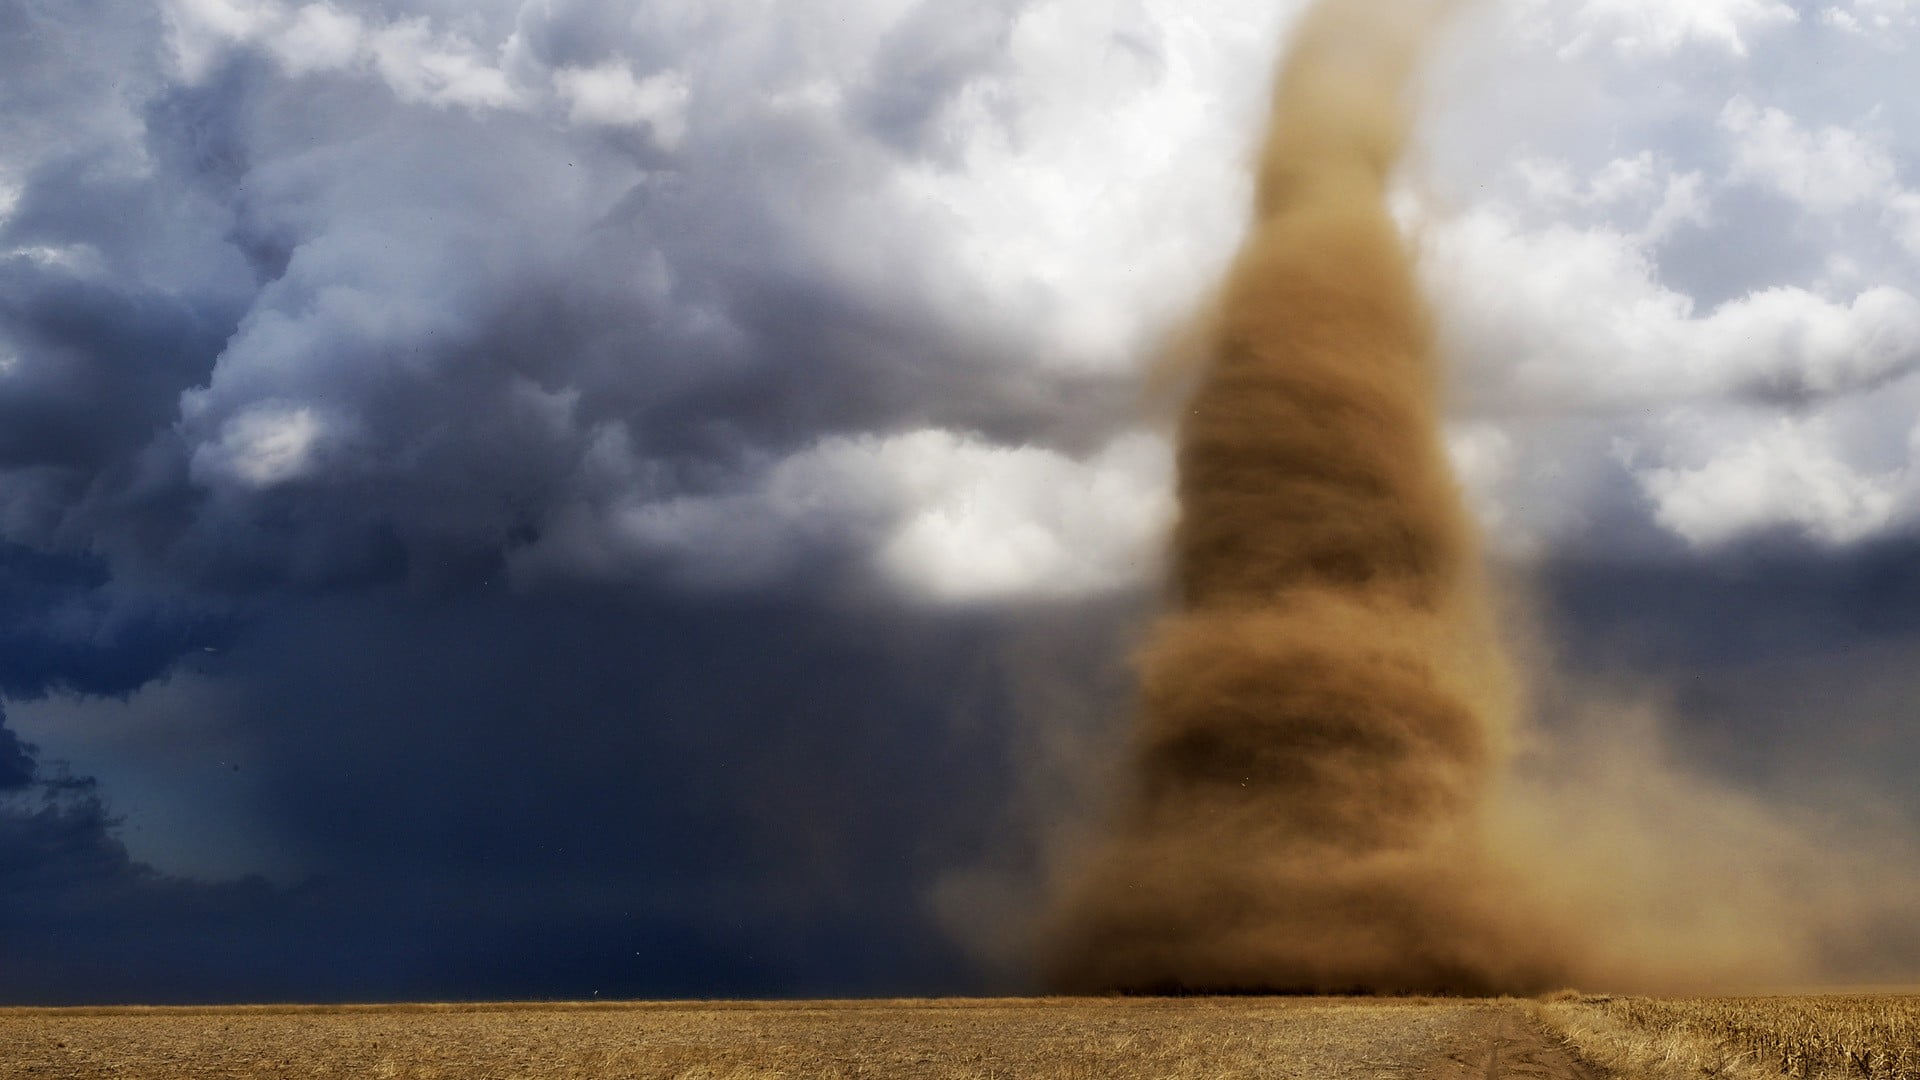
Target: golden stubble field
(1567, 1037)
(1868, 1036)
(1094, 1039)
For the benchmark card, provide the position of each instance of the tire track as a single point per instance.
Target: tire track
(1501, 1042)
(1519, 1049)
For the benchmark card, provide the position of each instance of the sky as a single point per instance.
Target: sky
(537, 498)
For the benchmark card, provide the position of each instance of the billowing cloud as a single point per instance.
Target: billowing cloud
(943, 517)
(1778, 474)
(1638, 27)
(1879, 19)
(740, 255)
(609, 94)
(1824, 171)
(417, 62)
(537, 407)
(1580, 316)
(621, 258)
(262, 447)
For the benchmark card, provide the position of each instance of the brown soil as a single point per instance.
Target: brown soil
(1514, 1047)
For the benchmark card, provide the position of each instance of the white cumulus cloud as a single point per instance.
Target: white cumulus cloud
(1663, 26)
(1827, 170)
(946, 517)
(1582, 317)
(1781, 473)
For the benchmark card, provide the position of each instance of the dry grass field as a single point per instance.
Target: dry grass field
(1866, 1036)
(1873, 1037)
(1097, 1039)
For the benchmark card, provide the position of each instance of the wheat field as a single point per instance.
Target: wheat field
(1568, 1036)
(1057, 1039)
(1865, 1036)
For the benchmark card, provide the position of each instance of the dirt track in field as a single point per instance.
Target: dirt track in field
(1085, 1039)
(1517, 1047)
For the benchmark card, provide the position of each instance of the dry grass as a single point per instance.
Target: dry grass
(1097, 1039)
(1871, 1037)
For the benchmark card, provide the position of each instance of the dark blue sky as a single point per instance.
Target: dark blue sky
(532, 499)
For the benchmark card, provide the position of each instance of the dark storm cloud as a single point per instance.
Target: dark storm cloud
(286, 321)
(17, 766)
(275, 337)
(513, 796)
(1766, 598)
(100, 368)
(340, 343)
(1784, 665)
(83, 921)
(278, 341)
(64, 627)
(86, 923)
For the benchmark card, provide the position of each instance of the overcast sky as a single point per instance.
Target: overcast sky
(528, 497)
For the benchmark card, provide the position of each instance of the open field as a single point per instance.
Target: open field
(1866, 1036)
(1085, 1039)
(1873, 1037)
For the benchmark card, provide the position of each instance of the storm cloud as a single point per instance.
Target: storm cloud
(584, 496)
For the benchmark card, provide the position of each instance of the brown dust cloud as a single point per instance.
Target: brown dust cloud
(1330, 787)
(1323, 715)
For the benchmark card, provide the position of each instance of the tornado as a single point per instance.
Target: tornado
(1324, 709)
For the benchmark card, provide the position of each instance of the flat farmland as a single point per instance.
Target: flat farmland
(1864, 1036)
(1094, 1039)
